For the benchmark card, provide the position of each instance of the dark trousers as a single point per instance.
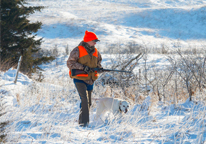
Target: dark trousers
(85, 91)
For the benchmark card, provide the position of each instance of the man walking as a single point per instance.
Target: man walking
(84, 57)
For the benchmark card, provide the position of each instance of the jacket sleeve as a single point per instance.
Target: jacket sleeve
(72, 62)
(99, 60)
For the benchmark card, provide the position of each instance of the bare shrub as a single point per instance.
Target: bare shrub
(18, 98)
(191, 69)
(174, 84)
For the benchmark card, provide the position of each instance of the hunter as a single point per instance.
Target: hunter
(84, 57)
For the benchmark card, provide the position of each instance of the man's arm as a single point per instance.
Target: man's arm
(99, 60)
(72, 60)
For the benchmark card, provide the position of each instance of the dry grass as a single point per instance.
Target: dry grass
(18, 98)
(7, 64)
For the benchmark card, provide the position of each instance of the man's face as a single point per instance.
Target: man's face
(91, 43)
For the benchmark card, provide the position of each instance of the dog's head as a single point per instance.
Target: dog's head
(124, 106)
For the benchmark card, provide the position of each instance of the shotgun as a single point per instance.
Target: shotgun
(77, 71)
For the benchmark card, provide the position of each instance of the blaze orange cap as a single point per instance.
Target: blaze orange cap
(89, 36)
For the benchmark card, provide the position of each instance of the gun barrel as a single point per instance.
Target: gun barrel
(117, 70)
(77, 71)
(109, 70)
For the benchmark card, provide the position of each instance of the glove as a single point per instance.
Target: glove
(87, 69)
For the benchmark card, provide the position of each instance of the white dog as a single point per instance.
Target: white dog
(116, 105)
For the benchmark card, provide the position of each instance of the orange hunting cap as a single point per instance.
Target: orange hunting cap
(89, 36)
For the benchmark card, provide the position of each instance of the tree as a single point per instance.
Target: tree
(18, 35)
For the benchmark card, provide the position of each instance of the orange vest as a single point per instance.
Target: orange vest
(91, 62)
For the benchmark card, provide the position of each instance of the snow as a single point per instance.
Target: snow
(145, 22)
(47, 112)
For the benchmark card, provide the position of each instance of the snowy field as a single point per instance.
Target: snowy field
(47, 111)
(145, 22)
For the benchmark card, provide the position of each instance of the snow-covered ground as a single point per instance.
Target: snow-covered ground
(47, 112)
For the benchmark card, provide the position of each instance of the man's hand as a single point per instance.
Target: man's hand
(87, 69)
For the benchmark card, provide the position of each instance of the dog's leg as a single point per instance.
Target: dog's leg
(103, 112)
(100, 109)
(114, 112)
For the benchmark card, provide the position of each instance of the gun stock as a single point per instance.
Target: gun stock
(77, 71)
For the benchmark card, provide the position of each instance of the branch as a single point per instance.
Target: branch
(131, 61)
